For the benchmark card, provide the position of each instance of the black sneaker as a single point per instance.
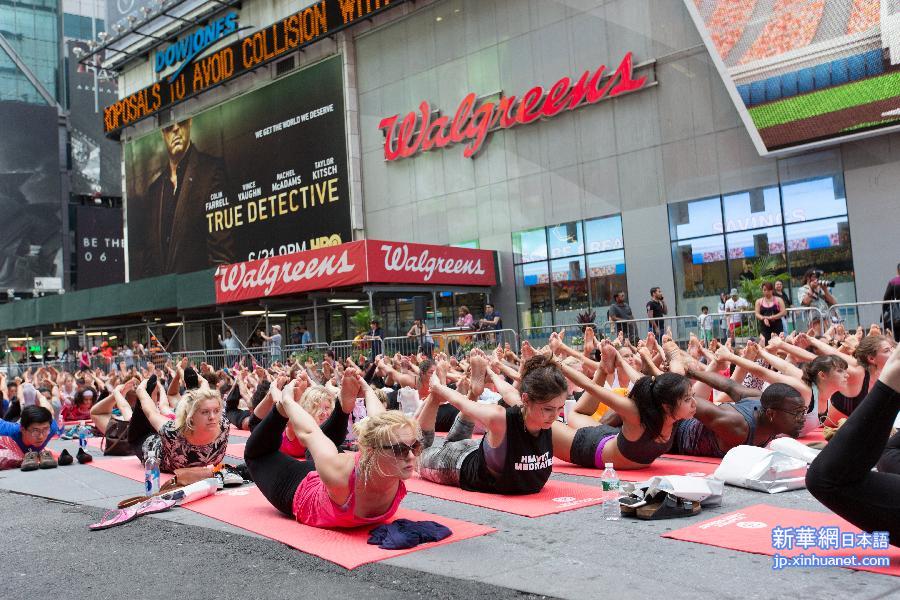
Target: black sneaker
(65, 459)
(83, 457)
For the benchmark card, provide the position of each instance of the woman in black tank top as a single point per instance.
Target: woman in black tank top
(648, 416)
(769, 311)
(515, 456)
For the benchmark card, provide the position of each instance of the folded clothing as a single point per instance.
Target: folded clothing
(404, 533)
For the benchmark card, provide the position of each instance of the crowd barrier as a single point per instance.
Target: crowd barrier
(713, 325)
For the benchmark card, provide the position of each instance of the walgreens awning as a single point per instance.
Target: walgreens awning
(354, 263)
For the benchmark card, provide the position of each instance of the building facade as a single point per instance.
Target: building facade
(652, 182)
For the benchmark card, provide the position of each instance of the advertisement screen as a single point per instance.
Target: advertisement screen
(31, 227)
(96, 159)
(100, 248)
(806, 72)
(261, 175)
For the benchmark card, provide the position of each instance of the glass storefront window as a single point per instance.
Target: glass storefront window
(745, 247)
(701, 273)
(606, 272)
(823, 245)
(814, 199)
(565, 240)
(695, 218)
(602, 235)
(570, 293)
(533, 295)
(753, 209)
(530, 245)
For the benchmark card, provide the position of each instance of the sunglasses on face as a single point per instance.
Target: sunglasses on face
(401, 450)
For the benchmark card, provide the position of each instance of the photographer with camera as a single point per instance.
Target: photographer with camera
(815, 292)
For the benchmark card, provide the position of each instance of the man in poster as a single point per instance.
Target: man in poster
(174, 237)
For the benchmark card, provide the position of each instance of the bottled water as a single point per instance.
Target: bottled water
(151, 476)
(82, 435)
(610, 482)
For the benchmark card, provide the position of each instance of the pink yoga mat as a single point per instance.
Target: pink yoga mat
(659, 467)
(238, 432)
(817, 435)
(750, 530)
(703, 459)
(235, 450)
(247, 508)
(556, 497)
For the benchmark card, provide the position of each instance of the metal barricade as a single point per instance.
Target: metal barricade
(802, 318)
(408, 345)
(574, 334)
(194, 357)
(302, 351)
(345, 348)
(681, 326)
(865, 314)
(460, 343)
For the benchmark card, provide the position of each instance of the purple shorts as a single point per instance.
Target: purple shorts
(598, 454)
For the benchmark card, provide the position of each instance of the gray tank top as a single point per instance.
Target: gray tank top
(646, 449)
(693, 438)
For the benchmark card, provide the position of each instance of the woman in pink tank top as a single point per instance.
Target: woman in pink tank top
(334, 489)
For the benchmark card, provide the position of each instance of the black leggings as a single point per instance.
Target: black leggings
(841, 477)
(890, 460)
(276, 474)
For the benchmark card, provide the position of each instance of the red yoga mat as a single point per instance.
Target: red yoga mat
(556, 497)
(703, 459)
(817, 435)
(751, 530)
(659, 467)
(247, 508)
(238, 432)
(235, 450)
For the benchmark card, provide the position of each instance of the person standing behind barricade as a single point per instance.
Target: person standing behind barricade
(273, 343)
(770, 312)
(890, 313)
(815, 294)
(491, 320)
(375, 336)
(230, 344)
(419, 331)
(723, 320)
(305, 337)
(786, 300)
(620, 311)
(656, 309)
(733, 307)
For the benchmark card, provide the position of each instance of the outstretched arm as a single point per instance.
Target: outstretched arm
(725, 384)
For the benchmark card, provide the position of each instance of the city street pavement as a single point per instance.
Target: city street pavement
(575, 554)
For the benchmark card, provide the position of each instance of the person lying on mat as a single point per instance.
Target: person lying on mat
(754, 418)
(191, 444)
(333, 489)
(862, 368)
(841, 476)
(121, 399)
(515, 455)
(23, 444)
(648, 414)
(319, 402)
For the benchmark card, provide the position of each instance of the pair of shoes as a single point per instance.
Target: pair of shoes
(130, 513)
(69, 433)
(83, 457)
(31, 462)
(65, 459)
(229, 476)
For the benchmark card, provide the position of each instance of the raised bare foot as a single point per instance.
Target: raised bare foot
(479, 366)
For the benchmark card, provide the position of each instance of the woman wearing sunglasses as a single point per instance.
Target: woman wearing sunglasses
(332, 489)
(515, 456)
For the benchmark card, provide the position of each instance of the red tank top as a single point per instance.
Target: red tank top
(313, 506)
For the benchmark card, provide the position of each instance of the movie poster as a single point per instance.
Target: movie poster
(261, 175)
(806, 72)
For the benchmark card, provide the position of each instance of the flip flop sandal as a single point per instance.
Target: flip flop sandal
(154, 505)
(112, 518)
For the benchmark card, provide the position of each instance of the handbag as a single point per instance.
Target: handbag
(115, 440)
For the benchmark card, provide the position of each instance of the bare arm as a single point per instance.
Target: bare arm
(157, 420)
(767, 374)
(624, 407)
(725, 384)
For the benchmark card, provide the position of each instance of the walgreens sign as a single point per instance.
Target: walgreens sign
(354, 263)
(426, 130)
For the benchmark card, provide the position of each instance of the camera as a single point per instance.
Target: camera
(820, 275)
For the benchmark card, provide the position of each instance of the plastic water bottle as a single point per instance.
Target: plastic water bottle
(82, 436)
(568, 408)
(610, 482)
(151, 476)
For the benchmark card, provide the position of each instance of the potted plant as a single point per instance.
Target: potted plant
(586, 319)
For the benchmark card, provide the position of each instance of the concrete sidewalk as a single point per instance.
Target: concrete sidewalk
(575, 554)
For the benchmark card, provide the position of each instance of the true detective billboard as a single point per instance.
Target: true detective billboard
(100, 248)
(260, 175)
(30, 203)
(806, 73)
(96, 160)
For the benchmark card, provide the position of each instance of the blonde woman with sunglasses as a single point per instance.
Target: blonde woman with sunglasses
(332, 489)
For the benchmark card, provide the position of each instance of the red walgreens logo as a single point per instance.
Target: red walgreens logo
(472, 122)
